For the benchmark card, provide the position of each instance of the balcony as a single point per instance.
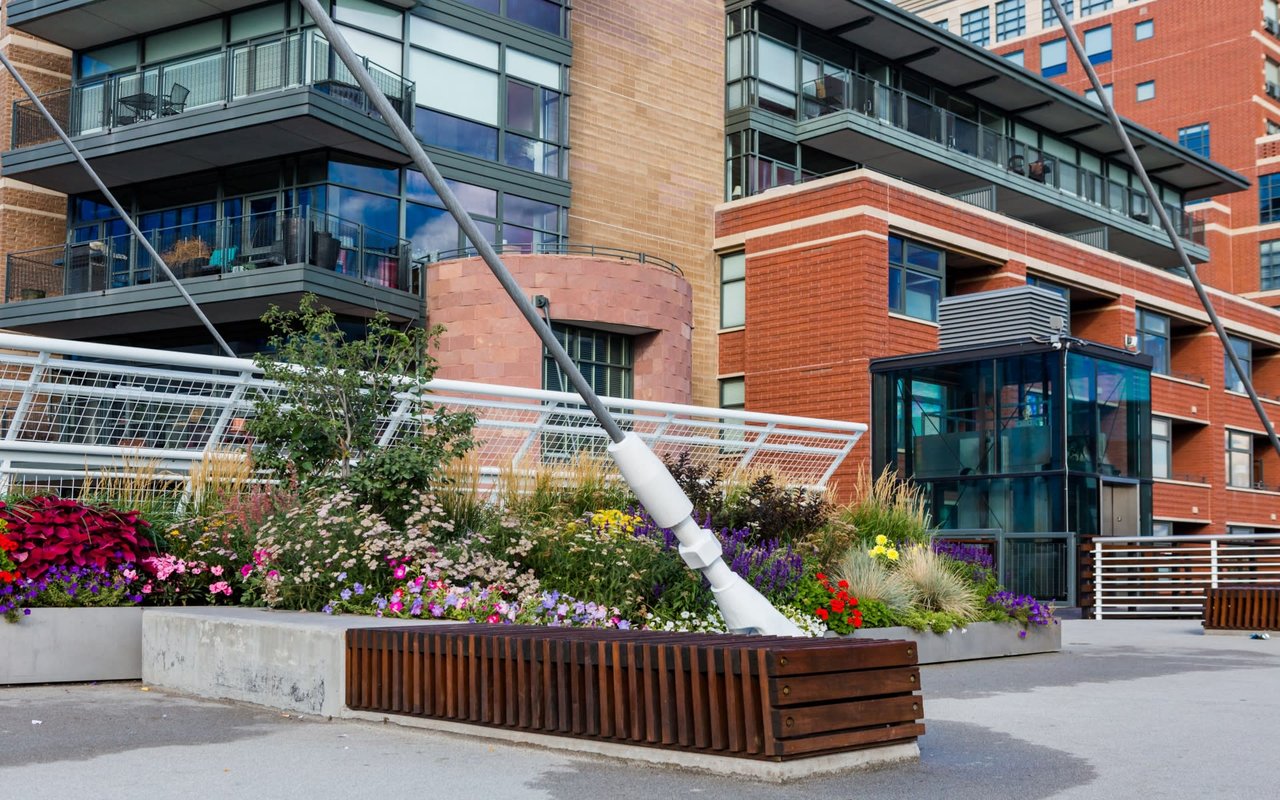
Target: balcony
(847, 115)
(79, 24)
(261, 100)
(235, 268)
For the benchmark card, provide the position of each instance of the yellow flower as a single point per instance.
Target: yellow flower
(878, 550)
(891, 554)
(882, 540)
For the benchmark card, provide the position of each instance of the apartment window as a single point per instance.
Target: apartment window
(1144, 30)
(733, 290)
(1269, 198)
(1097, 44)
(547, 15)
(1011, 19)
(1240, 459)
(1088, 7)
(1062, 291)
(1161, 448)
(1271, 72)
(1153, 339)
(945, 24)
(1269, 260)
(1272, 128)
(1243, 349)
(1053, 58)
(1050, 17)
(733, 392)
(1195, 138)
(975, 26)
(916, 272)
(1016, 57)
(1092, 96)
(1161, 530)
(1270, 21)
(604, 357)
(1146, 91)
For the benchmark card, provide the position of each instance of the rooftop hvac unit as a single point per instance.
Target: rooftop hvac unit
(1005, 316)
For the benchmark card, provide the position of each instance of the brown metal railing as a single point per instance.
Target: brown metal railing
(746, 696)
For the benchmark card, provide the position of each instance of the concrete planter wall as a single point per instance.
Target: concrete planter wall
(57, 645)
(978, 640)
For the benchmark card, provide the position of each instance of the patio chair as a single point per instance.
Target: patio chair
(175, 101)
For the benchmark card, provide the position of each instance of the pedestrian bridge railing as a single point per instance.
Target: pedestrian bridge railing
(72, 411)
(1144, 576)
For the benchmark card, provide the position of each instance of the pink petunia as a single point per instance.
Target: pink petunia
(395, 607)
(399, 572)
(216, 570)
(221, 587)
(245, 570)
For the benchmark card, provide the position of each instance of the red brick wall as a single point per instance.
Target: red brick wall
(817, 284)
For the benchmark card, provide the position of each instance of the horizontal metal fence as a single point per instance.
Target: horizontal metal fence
(1169, 576)
(73, 410)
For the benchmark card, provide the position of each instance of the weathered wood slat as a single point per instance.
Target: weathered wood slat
(751, 697)
(1246, 607)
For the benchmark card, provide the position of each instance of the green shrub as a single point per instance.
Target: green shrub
(875, 614)
(920, 619)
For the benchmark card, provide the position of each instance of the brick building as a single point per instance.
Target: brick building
(242, 149)
(950, 171)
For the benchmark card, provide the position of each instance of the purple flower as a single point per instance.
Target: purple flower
(345, 594)
(359, 588)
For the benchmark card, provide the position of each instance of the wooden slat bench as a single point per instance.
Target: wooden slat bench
(747, 696)
(1242, 608)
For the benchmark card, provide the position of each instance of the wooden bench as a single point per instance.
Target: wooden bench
(746, 696)
(1242, 608)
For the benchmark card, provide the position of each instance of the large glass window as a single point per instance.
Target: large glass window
(975, 26)
(1097, 44)
(1153, 339)
(1269, 198)
(733, 290)
(1161, 448)
(605, 359)
(456, 88)
(1088, 7)
(916, 273)
(1195, 138)
(1053, 58)
(1240, 459)
(1269, 263)
(1011, 19)
(1050, 17)
(370, 16)
(1243, 349)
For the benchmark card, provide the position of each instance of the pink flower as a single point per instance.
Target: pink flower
(273, 575)
(221, 587)
(245, 570)
(399, 572)
(196, 570)
(395, 607)
(146, 589)
(493, 618)
(216, 570)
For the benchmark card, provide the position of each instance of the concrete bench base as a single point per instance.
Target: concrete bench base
(60, 645)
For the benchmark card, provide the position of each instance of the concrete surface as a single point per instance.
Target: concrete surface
(1128, 709)
(72, 644)
(978, 640)
(283, 659)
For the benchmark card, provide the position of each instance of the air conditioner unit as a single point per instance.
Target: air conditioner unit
(1130, 342)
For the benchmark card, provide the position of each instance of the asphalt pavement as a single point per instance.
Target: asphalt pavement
(1128, 709)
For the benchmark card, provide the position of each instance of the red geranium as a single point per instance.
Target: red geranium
(840, 611)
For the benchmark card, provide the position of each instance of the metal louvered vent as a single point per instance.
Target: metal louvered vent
(1024, 313)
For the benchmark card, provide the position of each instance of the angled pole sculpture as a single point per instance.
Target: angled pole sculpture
(1153, 199)
(115, 204)
(745, 610)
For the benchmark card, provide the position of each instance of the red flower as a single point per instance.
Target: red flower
(843, 584)
(837, 605)
(857, 619)
(821, 613)
(821, 578)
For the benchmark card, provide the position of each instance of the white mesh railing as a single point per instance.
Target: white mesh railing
(1169, 576)
(71, 411)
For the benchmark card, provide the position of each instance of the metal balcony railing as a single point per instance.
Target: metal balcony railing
(558, 249)
(850, 91)
(176, 87)
(216, 247)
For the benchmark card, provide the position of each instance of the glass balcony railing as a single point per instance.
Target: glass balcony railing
(176, 87)
(852, 92)
(217, 247)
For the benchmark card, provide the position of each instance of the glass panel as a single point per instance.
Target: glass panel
(530, 213)
(455, 87)
(464, 46)
(369, 178)
(108, 59)
(383, 52)
(257, 22)
(541, 14)
(922, 292)
(733, 304)
(374, 211)
(733, 266)
(374, 17)
(430, 229)
(733, 393)
(520, 107)
(777, 64)
(550, 115)
(532, 68)
(191, 39)
(455, 133)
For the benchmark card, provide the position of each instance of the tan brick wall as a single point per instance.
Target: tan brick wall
(29, 216)
(647, 128)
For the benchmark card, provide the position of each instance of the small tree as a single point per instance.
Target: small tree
(336, 395)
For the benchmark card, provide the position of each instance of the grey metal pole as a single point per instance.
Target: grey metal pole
(1154, 199)
(469, 227)
(115, 204)
(745, 610)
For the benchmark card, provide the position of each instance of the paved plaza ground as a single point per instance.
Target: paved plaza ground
(1129, 709)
